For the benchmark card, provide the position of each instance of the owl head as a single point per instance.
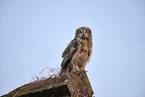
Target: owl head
(83, 33)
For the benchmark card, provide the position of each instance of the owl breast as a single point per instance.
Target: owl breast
(82, 54)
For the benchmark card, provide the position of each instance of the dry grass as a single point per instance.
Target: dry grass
(52, 77)
(47, 72)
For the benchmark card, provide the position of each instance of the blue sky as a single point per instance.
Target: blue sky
(34, 33)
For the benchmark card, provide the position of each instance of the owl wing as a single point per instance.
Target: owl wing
(69, 52)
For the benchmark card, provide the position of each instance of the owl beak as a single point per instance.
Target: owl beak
(83, 35)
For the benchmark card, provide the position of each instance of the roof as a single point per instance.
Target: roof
(68, 84)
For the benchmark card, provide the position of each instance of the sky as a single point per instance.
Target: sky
(34, 33)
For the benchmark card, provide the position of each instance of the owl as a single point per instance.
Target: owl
(78, 52)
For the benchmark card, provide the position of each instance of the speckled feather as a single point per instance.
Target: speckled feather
(78, 52)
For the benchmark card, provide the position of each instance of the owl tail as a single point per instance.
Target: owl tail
(67, 69)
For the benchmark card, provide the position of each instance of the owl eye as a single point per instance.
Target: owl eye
(86, 32)
(80, 32)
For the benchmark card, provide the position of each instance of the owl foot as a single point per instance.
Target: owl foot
(82, 71)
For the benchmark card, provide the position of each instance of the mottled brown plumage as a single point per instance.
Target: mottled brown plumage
(78, 52)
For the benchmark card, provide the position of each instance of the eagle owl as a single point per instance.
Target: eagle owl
(78, 52)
